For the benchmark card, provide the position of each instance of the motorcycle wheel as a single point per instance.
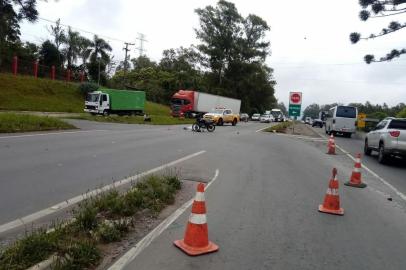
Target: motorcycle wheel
(210, 128)
(195, 127)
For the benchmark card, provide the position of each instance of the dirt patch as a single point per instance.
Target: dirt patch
(144, 222)
(301, 129)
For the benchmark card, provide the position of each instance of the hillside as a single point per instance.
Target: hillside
(25, 93)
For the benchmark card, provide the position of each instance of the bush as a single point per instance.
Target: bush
(28, 251)
(402, 113)
(78, 255)
(86, 216)
(87, 87)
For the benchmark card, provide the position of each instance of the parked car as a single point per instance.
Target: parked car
(266, 118)
(255, 117)
(388, 138)
(317, 123)
(244, 117)
(342, 119)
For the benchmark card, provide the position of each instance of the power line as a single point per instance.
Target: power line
(85, 31)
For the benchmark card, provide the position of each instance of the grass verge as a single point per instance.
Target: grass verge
(280, 128)
(155, 119)
(10, 122)
(26, 93)
(103, 219)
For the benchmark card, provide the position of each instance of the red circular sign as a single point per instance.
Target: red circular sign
(295, 98)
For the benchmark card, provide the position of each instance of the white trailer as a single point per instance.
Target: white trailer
(207, 103)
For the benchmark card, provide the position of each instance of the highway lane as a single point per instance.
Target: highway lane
(38, 171)
(394, 172)
(262, 212)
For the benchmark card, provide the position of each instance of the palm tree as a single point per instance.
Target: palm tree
(84, 50)
(72, 49)
(99, 49)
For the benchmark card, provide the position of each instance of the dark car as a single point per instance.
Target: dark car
(317, 123)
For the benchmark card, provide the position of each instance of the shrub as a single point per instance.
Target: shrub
(79, 254)
(402, 113)
(87, 87)
(28, 251)
(86, 216)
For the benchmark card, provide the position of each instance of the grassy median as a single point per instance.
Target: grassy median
(98, 221)
(280, 128)
(11, 122)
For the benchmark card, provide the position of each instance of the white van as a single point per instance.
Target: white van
(342, 119)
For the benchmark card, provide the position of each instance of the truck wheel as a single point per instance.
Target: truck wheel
(106, 113)
(220, 122)
(234, 122)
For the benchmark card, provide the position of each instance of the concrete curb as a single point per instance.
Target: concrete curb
(44, 265)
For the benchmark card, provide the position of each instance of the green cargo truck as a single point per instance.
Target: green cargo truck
(111, 101)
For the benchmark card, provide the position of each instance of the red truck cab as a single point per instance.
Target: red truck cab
(182, 103)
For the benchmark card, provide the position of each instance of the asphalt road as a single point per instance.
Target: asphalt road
(393, 172)
(262, 209)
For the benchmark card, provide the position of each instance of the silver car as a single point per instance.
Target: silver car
(266, 118)
(255, 117)
(388, 138)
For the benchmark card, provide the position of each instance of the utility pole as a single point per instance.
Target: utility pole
(126, 57)
(141, 38)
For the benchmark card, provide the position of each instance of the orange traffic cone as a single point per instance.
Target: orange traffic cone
(355, 180)
(331, 146)
(196, 241)
(331, 204)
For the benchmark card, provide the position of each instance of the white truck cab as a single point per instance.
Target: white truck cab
(97, 103)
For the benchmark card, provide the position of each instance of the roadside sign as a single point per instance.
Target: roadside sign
(295, 103)
(361, 120)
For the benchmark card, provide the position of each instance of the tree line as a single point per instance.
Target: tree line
(375, 111)
(229, 59)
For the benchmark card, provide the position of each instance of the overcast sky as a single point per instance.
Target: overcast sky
(311, 51)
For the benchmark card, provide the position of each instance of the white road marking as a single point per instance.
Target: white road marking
(62, 205)
(394, 189)
(399, 193)
(261, 129)
(131, 254)
(50, 133)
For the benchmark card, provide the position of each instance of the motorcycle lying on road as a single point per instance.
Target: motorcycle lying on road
(202, 123)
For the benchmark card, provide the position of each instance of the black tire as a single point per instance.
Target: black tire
(234, 122)
(195, 127)
(220, 122)
(367, 150)
(382, 157)
(211, 128)
(106, 113)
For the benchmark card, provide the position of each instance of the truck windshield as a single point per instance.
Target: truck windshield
(92, 97)
(398, 124)
(276, 114)
(177, 101)
(346, 112)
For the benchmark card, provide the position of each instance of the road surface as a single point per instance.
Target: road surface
(262, 209)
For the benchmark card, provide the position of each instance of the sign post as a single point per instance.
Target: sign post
(295, 105)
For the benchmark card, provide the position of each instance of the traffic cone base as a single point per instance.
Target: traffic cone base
(339, 212)
(360, 185)
(195, 251)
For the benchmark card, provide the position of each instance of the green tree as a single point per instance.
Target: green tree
(282, 107)
(312, 111)
(71, 51)
(402, 113)
(142, 62)
(377, 9)
(12, 12)
(49, 55)
(234, 49)
(99, 58)
(84, 46)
